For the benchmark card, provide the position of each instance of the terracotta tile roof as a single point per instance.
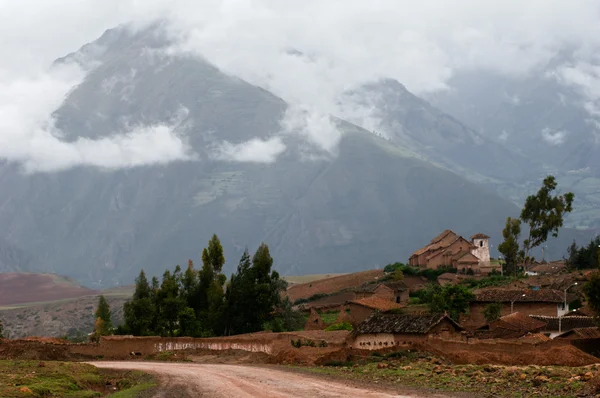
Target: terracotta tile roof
(377, 303)
(402, 323)
(582, 333)
(480, 236)
(566, 323)
(508, 295)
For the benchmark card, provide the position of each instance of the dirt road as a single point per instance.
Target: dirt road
(229, 381)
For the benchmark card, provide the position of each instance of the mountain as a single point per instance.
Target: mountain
(372, 202)
(414, 123)
(13, 258)
(543, 116)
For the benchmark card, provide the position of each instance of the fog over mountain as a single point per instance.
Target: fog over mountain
(344, 134)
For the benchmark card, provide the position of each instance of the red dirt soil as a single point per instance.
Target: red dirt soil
(334, 284)
(563, 356)
(21, 288)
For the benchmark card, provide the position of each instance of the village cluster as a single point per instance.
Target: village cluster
(527, 312)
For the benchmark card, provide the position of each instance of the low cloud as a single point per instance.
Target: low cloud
(142, 146)
(554, 138)
(252, 151)
(28, 134)
(307, 52)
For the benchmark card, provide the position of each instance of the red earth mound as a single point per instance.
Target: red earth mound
(21, 288)
(556, 356)
(334, 284)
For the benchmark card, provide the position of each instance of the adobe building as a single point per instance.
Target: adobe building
(396, 291)
(545, 302)
(449, 249)
(388, 330)
(361, 309)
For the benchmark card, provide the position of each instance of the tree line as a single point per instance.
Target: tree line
(204, 303)
(584, 257)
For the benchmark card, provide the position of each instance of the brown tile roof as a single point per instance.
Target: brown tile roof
(402, 323)
(396, 285)
(370, 288)
(508, 295)
(443, 235)
(535, 338)
(377, 303)
(583, 311)
(566, 323)
(480, 236)
(548, 268)
(582, 333)
(519, 321)
(465, 257)
(434, 244)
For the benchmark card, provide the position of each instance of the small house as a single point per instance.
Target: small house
(374, 289)
(361, 309)
(545, 302)
(400, 291)
(389, 330)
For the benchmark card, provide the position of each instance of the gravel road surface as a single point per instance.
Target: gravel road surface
(236, 381)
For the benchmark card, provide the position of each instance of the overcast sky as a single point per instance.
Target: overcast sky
(343, 44)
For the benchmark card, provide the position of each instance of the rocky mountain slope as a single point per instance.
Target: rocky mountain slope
(368, 202)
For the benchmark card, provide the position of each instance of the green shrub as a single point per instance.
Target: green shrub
(376, 354)
(339, 326)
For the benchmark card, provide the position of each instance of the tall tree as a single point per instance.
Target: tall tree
(213, 254)
(544, 213)
(139, 312)
(1, 330)
(170, 303)
(103, 313)
(510, 246)
(267, 291)
(453, 299)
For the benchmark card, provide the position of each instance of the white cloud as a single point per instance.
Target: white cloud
(142, 146)
(252, 151)
(28, 134)
(554, 137)
(339, 45)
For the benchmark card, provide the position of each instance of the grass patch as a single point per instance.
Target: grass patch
(411, 370)
(329, 317)
(168, 356)
(65, 379)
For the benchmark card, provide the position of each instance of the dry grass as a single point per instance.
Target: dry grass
(333, 284)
